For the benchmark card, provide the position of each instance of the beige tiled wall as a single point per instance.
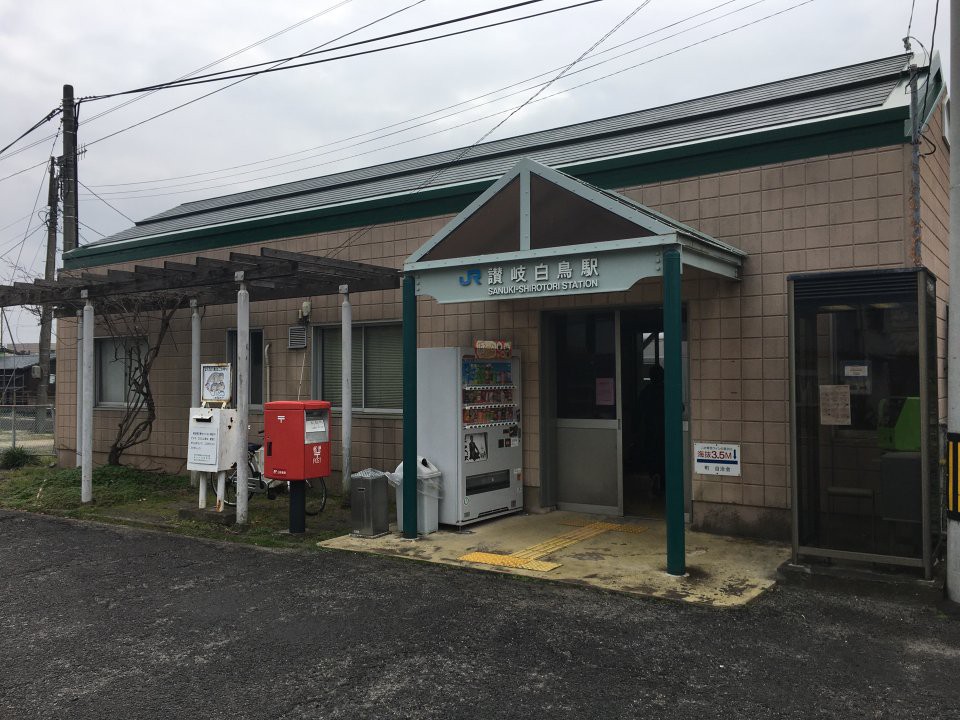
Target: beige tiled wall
(935, 237)
(834, 212)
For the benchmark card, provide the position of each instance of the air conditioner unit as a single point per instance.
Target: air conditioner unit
(296, 337)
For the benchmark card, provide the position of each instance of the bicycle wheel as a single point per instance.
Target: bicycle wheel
(229, 490)
(316, 496)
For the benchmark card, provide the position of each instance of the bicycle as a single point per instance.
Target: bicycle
(259, 485)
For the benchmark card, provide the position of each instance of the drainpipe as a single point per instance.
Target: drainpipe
(915, 166)
(266, 373)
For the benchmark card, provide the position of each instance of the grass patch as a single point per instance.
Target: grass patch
(136, 497)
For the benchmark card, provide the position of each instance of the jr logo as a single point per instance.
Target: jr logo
(471, 276)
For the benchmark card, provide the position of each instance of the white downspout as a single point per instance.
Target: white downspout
(266, 373)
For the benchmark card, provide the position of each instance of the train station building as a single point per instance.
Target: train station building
(784, 246)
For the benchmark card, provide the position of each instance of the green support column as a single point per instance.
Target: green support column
(409, 408)
(673, 411)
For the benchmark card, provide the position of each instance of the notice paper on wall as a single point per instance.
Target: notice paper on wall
(606, 391)
(834, 404)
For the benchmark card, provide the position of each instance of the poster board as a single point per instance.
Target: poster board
(215, 382)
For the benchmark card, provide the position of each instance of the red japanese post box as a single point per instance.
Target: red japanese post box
(296, 440)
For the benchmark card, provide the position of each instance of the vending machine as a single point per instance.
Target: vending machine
(469, 426)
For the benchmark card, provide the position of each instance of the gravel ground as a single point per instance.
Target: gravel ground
(112, 622)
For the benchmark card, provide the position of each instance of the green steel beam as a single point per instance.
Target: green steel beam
(409, 488)
(673, 410)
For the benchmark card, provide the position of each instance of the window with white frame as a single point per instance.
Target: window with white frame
(377, 366)
(116, 360)
(256, 364)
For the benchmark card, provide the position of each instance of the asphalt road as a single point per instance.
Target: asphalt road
(110, 622)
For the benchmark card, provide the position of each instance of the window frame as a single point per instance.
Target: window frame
(229, 355)
(98, 341)
(316, 376)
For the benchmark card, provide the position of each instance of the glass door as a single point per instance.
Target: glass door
(588, 452)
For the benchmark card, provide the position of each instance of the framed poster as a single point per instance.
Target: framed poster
(215, 382)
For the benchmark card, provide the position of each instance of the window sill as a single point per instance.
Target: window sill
(372, 414)
(110, 406)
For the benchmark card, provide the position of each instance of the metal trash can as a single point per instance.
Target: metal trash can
(368, 503)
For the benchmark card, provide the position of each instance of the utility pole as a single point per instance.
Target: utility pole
(953, 331)
(71, 227)
(49, 270)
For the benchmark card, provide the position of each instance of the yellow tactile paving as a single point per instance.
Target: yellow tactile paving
(511, 561)
(559, 542)
(529, 559)
(618, 527)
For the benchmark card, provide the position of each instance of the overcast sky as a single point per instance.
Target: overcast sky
(105, 46)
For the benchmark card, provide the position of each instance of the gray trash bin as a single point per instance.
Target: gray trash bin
(368, 503)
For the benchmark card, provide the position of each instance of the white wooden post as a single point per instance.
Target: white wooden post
(86, 464)
(346, 386)
(196, 477)
(243, 396)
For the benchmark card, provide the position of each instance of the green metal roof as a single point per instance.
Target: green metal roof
(847, 108)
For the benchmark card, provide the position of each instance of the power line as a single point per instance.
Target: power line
(217, 76)
(336, 251)
(47, 118)
(198, 70)
(218, 90)
(11, 224)
(494, 114)
(107, 204)
(21, 172)
(35, 202)
(227, 87)
(91, 229)
(471, 103)
(384, 48)
(16, 240)
(522, 82)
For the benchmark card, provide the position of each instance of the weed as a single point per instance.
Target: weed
(14, 458)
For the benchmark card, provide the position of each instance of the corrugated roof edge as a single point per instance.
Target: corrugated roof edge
(830, 135)
(452, 198)
(437, 160)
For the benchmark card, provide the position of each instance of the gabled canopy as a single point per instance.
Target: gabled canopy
(553, 235)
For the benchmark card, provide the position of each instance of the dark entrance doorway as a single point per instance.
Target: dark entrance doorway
(604, 415)
(641, 360)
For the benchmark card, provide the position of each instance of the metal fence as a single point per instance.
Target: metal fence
(29, 427)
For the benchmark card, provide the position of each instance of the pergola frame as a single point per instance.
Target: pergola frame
(243, 278)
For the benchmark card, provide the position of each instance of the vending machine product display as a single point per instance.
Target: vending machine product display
(469, 426)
